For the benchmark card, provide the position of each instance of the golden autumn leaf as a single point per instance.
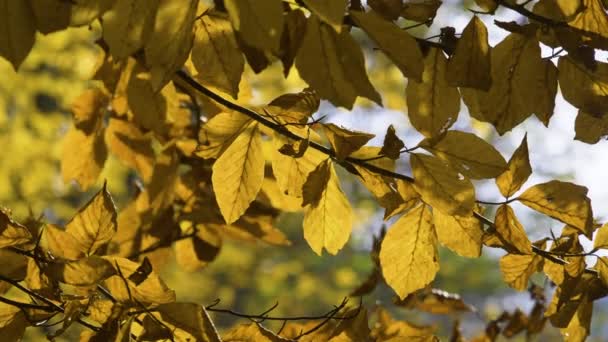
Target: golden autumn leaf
(554, 271)
(315, 184)
(218, 133)
(579, 327)
(518, 171)
(589, 128)
(352, 330)
(388, 9)
(333, 65)
(545, 104)
(592, 19)
(83, 272)
(11, 232)
(328, 223)
(388, 328)
(433, 105)
(238, 174)
(517, 269)
(152, 290)
(392, 145)
(397, 44)
(192, 318)
(469, 154)
(442, 187)
(127, 26)
(295, 107)
(216, 55)
(12, 322)
(470, 65)
(127, 142)
(251, 332)
(420, 11)
(601, 238)
(85, 11)
(408, 255)
(583, 88)
(510, 229)
(17, 31)
(462, 235)
(562, 201)
(149, 107)
(344, 141)
(259, 23)
(330, 12)
(195, 253)
(293, 32)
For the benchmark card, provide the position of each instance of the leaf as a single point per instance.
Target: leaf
(238, 174)
(470, 65)
(149, 107)
(170, 40)
(469, 154)
(259, 23)
(433, 105)
(592, 18)
(562, 201)
(354, 329)
(60, 243)
(601, 238)
(12, 233)
(127, 26)
(190, 317)
(584, 88)
(12, 322)
(333, 65)
(388, 9)
(517, 269)
(293, 33)
(510, 229)
(408, 255)
(315, 184)
(328, 223)
(580, 325)
(330, 12)
(392, 145)
(195, 253)
(129, 143)
(544, 106)
(442, 187)
(462, 235)
(420, 11)
(84, 12)
(84, 272)
(397, 44)
(152, 290)
(589, 128)
(344, 141)
(251, 332)
(518, 171)
(95, 223)
(216, 55)
(17, 31)
(388, 328)
(295, 107)
(219, 132)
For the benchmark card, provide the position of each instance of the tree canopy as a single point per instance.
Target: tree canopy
(168, 99)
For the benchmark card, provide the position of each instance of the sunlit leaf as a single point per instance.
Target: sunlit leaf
(259, 23)
(12, 322)
(331, 12)
(509, 228)
(469, 66)
(345, 141)
(127, 26)
(463, 235)
(152, 290)
(88, 271)
(192, 318)
(517, 269)
(519, 170)
(583, 88)
(11, 232)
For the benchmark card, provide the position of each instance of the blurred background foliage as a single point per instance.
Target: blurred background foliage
(34, 115)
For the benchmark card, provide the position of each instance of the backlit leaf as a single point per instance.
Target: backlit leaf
(601, 238)
(238, 174)
(331, 12)
(579, 327)
(17, 31)
(351, 330)
(462, 235)
(517, 269)
(216, 55)
(469, 66)
(127, 26)
(195, 253)
(589, 128)
(442, 187)
(152, 290)
(192, 318)
(345, 141)
(333, 65)
(396, 43)
(315, 184)
(127, 142)
(388, 328)
(469, 154)
(295, 107)
(328, 223)
(519, 170)
(510, 229)
(83, 272)
(259, 23)
(562, 201)
(392, 145)
(295, 27)
(592, 18)
(12, 233)
(433, 105)
(12, 322)
(251, 332)
(85, 11)
(408, 255)
(420, 11)
(218, 133)
(583, 88)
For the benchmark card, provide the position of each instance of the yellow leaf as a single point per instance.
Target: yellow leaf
(352, 330)
(17, 31)
(420, 11)
(127, 26)
(589, 128)
(408, 255)
(442, 187)
(251, 332)
(601, 238)
(562, 201)
(344, 141)
(331, 12)
(160, 190)
(519, 170)
(219, 132)
(195, 253)
(216, 55)
(580, 325)
(12, 233)
(487, 5)
(152, 290)
(333, 65)
(238, 174)
(388, 328)
(469, 154)
(171, 39)
(291, 173)
(51, 15)
(295, 27)
(12, 322)
(328, 223)
(255, 227)
(149, 107)
(554, 271)
(127, 142)
(544, 106)
(592, 18)
(83, 272)
(295, 108)
(392, 145)
(397, 44)
(61, 244)
(85, 11)
(469, 66)
(517, 269)
(462, 235)
(511, 230)
(190, 317)
(315, 184)
(584, 88)
(394, 196)
(433, 105)
(260, 23)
